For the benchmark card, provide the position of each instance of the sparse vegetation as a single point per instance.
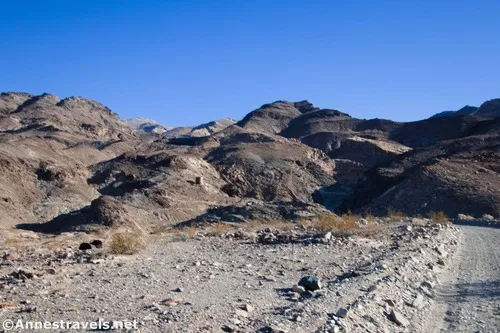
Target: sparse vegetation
(370, 219)
(126, 243)
(395, 215)
(331, 222)
(439, 217)
(254, 224)
(219, 229)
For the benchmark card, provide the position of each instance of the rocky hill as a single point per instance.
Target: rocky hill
(146, 125)
(73, 164)
(489, 108)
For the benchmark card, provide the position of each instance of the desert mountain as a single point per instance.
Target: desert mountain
(73, 164)
(146, 125)
(489, 108)
(202, 130)
(463, 111)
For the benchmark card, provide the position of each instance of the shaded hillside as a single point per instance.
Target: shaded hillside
(74, 164)
(455, 176)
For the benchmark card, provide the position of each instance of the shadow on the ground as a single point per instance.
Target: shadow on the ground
(465, 292)
(77, 220)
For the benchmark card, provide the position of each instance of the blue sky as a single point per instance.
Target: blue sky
(188, 62)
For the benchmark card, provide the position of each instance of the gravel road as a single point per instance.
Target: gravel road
(468, 299)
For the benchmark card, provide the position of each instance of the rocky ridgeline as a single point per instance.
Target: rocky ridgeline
(380, 277)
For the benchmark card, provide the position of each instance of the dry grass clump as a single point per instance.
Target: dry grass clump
(182, 234)
(283, 225)
(159, 229)
(305, 224)
(219, 229)
(330, 222)
(395, 215)
(126, 243)
(254, 224)
(371, 219)
(439, 217)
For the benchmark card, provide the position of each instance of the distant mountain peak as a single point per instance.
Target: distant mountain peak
(146, 125)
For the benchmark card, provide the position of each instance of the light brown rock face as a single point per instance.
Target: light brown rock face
(273, 171)
(73, 159)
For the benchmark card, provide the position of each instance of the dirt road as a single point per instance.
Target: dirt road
(468, 299)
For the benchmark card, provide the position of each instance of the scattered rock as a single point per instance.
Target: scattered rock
(399, 319)
(96, 243)
(298, 289)
(310, 283)
(85, 246)
(418, 302)
(172, 301)
(241, 313)
(342, 313)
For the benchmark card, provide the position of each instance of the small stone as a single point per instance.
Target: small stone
(228, 328)
(311, 283)
(241, 313)
(178, 290)
(235, 321)
(308, 294)
(399, 319)
(85, 246)
(428, 284)
(407, 228)
(342, 313)
(390, 302)
(372, 288)
(418, 302)
(248, 308)
(96, 243)
(488, 217)
(172, 301)
(441, 251)
(298, 289)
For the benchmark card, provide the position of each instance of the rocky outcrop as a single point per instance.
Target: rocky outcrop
(368, 152)
(272, 171)
(146, 125)
(490, 109)
(270, 118)
(10, 101)
(466, 110)
(324, 120)
(455, 176)
(202, 130)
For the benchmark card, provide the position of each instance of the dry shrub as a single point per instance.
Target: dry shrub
(304, 224)
(126, 243)
(219, 229)
(331, 222)
(286, 226)
(254, 224)
(190, 231)
(182, 234)
(395, 215)
(439, 217)
(349, 220)
(158, 229)
(371, 219)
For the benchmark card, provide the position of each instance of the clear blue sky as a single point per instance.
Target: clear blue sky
(187, 62)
